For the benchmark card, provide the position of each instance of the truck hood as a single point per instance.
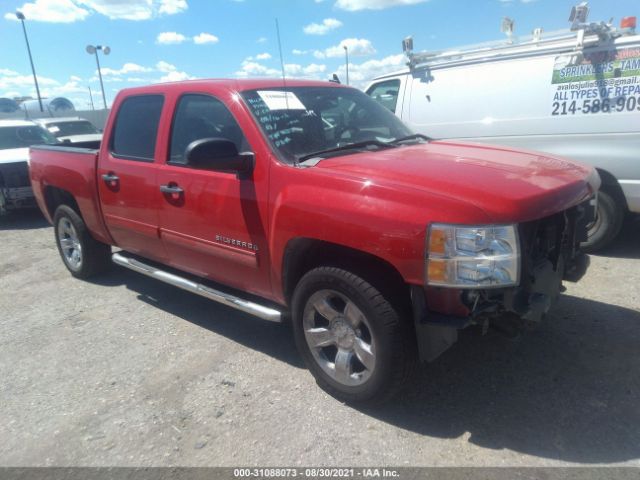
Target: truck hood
(13, 155)
(508, 185)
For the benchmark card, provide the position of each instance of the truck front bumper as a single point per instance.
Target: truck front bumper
(549, 255)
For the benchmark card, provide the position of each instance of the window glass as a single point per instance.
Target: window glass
(202, 116)
(136, 127)
(76, 127)
(303, 120)
(24, 136)
(386, 93)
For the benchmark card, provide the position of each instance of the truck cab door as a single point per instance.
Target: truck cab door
(213, 223)
(127, 173)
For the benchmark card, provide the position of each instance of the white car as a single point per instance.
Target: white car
(74, 130)
(16, 136)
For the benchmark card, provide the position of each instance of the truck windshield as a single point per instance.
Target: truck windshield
(66, 129)
(300, 121)
(24, 136)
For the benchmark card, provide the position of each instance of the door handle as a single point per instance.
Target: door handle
(111, 179)
(171, 189)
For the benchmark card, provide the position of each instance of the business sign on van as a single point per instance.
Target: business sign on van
(606, 81)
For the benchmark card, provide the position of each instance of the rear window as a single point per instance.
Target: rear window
(24, 136)
(76, 127)
(136, 127)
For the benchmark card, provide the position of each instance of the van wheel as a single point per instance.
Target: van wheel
(607, 225)
(81, 253)
(351, 337)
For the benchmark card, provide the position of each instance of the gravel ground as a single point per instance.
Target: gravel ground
(127, 371)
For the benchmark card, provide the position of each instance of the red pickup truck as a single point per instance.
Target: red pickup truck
(309, 202)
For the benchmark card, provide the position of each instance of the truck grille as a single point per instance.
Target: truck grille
(14, 175)
(556, 236)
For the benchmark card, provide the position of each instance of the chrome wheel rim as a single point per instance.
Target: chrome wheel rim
(339, 337)
(69, 244)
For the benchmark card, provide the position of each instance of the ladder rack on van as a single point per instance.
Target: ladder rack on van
(580, 35)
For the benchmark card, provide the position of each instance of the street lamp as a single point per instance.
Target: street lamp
(20, 17)
(91, 50)
(346, 59)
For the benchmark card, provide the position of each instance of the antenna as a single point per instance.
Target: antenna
(284, 80)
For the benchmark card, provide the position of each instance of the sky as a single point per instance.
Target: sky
(155, 41)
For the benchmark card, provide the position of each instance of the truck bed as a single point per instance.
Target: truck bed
(56, 170)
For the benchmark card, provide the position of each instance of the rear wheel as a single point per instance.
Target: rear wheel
(80, 252)
(604, 229)
(350, 336)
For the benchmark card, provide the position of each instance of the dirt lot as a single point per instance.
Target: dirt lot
(129, 371)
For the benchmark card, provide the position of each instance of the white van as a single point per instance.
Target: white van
(574, 93)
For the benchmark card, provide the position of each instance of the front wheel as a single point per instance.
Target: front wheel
(81, 253)
(350, 336)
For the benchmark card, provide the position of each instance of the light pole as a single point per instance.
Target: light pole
(91, 50)
(346, 59)
(20, 17)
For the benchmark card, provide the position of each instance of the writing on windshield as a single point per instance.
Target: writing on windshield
(302, 120)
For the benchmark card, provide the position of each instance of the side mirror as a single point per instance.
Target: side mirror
(218, 154)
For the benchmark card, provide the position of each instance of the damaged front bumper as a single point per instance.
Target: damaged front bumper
(550, 254)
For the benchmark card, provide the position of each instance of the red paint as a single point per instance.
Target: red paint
(379, 202)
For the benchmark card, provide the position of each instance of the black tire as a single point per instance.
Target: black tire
(391, 339)
(94, 257)
(609, 219)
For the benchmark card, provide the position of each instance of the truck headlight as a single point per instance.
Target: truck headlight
(473, 256)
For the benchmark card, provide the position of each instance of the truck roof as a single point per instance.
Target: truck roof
(46, 121)
(16, 123)
(232, 84)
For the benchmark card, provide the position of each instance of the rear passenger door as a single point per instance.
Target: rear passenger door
(127, 173)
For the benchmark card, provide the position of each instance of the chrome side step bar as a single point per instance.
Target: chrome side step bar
(266, 313)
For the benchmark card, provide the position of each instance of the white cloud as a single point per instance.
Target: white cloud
(75, 78)
(361, 74)
(68, 11)
(355, 5)
(205, 38)
(323, 28)
(168, 38)
(17, 85)
(175, 76)
(357, 47)
(55, 11)
(165, 67)
(17, 81)
(260, 56)
(295, 51)
(171, 7)
(7, 72)
(254, 69)
(262, 40)
(126, 68)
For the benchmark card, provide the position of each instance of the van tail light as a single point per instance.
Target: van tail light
(628, 22)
